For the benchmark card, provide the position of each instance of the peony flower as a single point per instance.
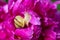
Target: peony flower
(28, 20)
(25, 18)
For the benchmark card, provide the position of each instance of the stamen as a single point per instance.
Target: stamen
(19, 21)
(27, 18)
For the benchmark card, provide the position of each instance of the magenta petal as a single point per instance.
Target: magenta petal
(34, 21)
(2, 35)
(2, 3)
(5, 8)
(37, 31)
(17, 5)
(24, 33)
(50, 35)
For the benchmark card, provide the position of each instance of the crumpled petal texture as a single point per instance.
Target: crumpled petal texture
(41, 26)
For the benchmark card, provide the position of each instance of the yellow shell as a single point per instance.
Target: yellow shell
(20, 22)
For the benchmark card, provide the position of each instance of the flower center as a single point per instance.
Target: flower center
(20, 21)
